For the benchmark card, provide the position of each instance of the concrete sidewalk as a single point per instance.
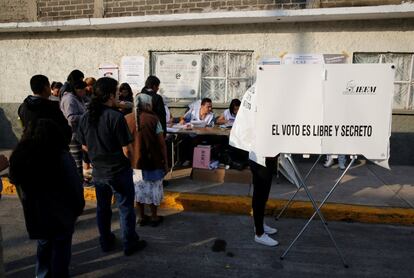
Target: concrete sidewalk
(364, 184)
(367, 193)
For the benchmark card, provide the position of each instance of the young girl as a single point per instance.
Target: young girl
(149, 153)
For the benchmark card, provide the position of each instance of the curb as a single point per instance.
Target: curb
(242, 205)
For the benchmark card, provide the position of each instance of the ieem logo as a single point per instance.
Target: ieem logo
(353, 89)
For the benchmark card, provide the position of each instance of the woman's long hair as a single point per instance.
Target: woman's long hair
(126, 87)
(235, 102)
(104, 88)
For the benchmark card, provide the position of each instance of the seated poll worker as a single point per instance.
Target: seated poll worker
(235, 158)
(200, 111)
(229, 115)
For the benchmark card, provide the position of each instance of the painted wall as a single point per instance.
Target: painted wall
(56, 54)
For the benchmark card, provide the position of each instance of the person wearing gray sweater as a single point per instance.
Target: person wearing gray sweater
(73, 108)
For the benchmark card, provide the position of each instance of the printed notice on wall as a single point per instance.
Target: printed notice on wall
(109, 70)
(302, 59)
(132, 72)
(324, 109)
(179, 75)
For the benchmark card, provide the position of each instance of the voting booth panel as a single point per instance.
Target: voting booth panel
(287, 97)
(358, 99)
(317, 109)
(324, 109)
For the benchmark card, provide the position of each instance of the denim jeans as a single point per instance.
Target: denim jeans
(122, 186)
(53, 256)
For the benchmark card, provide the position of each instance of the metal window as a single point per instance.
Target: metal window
(404, 75)
(224, 74)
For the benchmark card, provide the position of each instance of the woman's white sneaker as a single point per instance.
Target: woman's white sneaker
(265, 240)
(269, 230)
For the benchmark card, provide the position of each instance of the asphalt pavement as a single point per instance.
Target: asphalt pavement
(182, 247)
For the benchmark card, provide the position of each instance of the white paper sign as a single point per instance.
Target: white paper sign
(132, 71)
(109, 70)
(324, 109)
(302, 59)
(179, 75)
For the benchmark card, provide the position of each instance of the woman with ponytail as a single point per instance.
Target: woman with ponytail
(104, 134)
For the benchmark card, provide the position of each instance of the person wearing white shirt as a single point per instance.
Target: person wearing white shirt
(229, 115)
(200, 111)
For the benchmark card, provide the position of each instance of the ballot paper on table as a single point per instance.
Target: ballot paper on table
(172, 129)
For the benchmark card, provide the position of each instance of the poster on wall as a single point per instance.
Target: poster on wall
(132, 72)
(324, 109)
(179, 75)
(109, 70)
(302, 59)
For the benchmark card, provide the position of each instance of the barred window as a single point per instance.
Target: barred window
(224, 74)
(404, 75)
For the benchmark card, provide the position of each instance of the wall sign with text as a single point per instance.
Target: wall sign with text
(179, 75)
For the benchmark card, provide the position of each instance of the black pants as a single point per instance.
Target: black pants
(262, 181)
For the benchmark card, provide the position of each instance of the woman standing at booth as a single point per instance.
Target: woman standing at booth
(262, 181)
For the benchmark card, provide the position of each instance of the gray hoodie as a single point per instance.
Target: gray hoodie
(73, 108)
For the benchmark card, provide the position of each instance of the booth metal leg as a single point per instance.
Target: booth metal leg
(297, 190)
(175, 143)
(317, 210)
(172, 156)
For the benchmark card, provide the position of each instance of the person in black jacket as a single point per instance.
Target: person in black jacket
(38, 106)
(152, 84)
(51, 193)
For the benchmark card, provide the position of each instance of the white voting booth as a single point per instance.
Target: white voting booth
(317, 109)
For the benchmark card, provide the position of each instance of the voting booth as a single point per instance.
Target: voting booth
(317, 109)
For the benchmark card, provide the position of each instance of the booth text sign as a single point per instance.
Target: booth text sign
(324, 109)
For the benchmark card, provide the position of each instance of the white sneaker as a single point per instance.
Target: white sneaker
(329, 162)
(269, 230)
(265, 240)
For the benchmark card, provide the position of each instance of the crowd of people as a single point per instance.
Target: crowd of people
(92, 128)
(73, 129)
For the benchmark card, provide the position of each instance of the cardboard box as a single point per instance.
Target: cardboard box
(216, 175)
(222, 175)
(236, 176)
(201, 156)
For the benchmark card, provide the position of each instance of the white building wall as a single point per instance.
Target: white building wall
(56, 54)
